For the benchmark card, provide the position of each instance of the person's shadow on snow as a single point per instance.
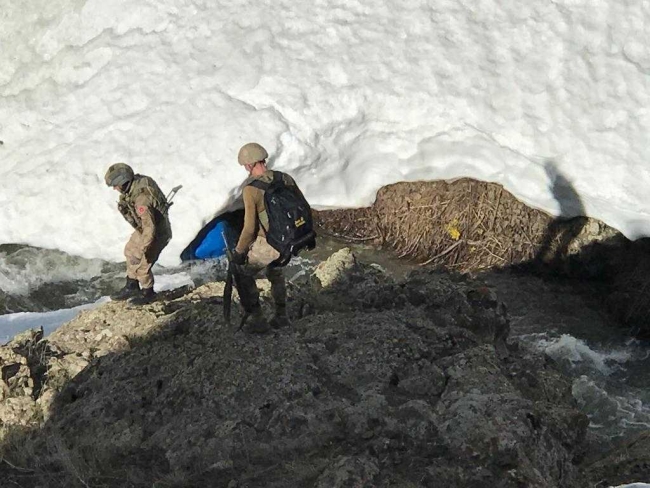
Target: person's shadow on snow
(564, 229)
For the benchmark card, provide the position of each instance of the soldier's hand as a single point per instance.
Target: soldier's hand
(237, 258)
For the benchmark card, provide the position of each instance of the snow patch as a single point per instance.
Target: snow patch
(347, 97)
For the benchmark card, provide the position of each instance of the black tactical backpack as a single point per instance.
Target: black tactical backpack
(291, 227)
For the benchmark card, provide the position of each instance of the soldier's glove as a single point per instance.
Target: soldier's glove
(237, 258)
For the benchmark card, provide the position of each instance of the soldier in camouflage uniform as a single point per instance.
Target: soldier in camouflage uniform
(252, 253)
(144, 206)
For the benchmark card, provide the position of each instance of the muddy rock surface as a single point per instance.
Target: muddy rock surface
(376, 383)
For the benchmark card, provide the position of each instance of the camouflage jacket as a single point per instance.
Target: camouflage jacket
(144, 206)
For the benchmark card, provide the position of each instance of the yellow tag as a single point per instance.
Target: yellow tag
(453, 230)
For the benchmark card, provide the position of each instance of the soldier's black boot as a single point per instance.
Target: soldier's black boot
(147, 295)
(256, 323)
(280, 319)
(131, 289)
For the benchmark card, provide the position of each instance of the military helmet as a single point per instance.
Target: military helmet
(251, 153)
(118, 174)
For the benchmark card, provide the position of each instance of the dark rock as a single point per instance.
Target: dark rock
(626, 463)
(382, 384)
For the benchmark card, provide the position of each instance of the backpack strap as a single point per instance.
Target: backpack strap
(260, 184)
(277, 179)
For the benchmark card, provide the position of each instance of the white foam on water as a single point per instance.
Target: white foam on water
(28, 268)
(578, 352)
(617, 412)
(166, 282)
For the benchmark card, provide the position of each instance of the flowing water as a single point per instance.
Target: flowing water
(611, 371)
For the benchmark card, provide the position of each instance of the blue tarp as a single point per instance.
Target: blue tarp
(210, 242)
(213, 244)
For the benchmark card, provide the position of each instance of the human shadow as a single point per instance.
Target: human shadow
(608, 269)
(567, 226)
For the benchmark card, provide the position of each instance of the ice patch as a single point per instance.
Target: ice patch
(15, 323)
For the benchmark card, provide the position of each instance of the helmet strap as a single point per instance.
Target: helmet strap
(125, 187)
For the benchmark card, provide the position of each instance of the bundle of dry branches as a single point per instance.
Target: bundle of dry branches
(466, 225)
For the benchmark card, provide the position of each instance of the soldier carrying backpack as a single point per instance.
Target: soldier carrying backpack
(277, 225)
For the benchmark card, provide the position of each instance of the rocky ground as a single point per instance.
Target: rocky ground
(377, 383)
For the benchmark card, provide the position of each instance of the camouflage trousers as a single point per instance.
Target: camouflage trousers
(260, 256)
(140, 260)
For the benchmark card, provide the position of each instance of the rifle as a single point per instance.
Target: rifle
(170, 197)
(227, 291)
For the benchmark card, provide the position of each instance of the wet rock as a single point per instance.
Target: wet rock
(593, 231)
(17, 303)
(335, 268)
(626, 463)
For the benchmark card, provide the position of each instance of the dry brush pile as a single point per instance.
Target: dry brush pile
(466, 225)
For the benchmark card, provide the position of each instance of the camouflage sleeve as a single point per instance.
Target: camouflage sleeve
(248, 233)
(147, 220)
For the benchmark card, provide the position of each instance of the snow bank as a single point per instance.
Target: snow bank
(348, 96)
